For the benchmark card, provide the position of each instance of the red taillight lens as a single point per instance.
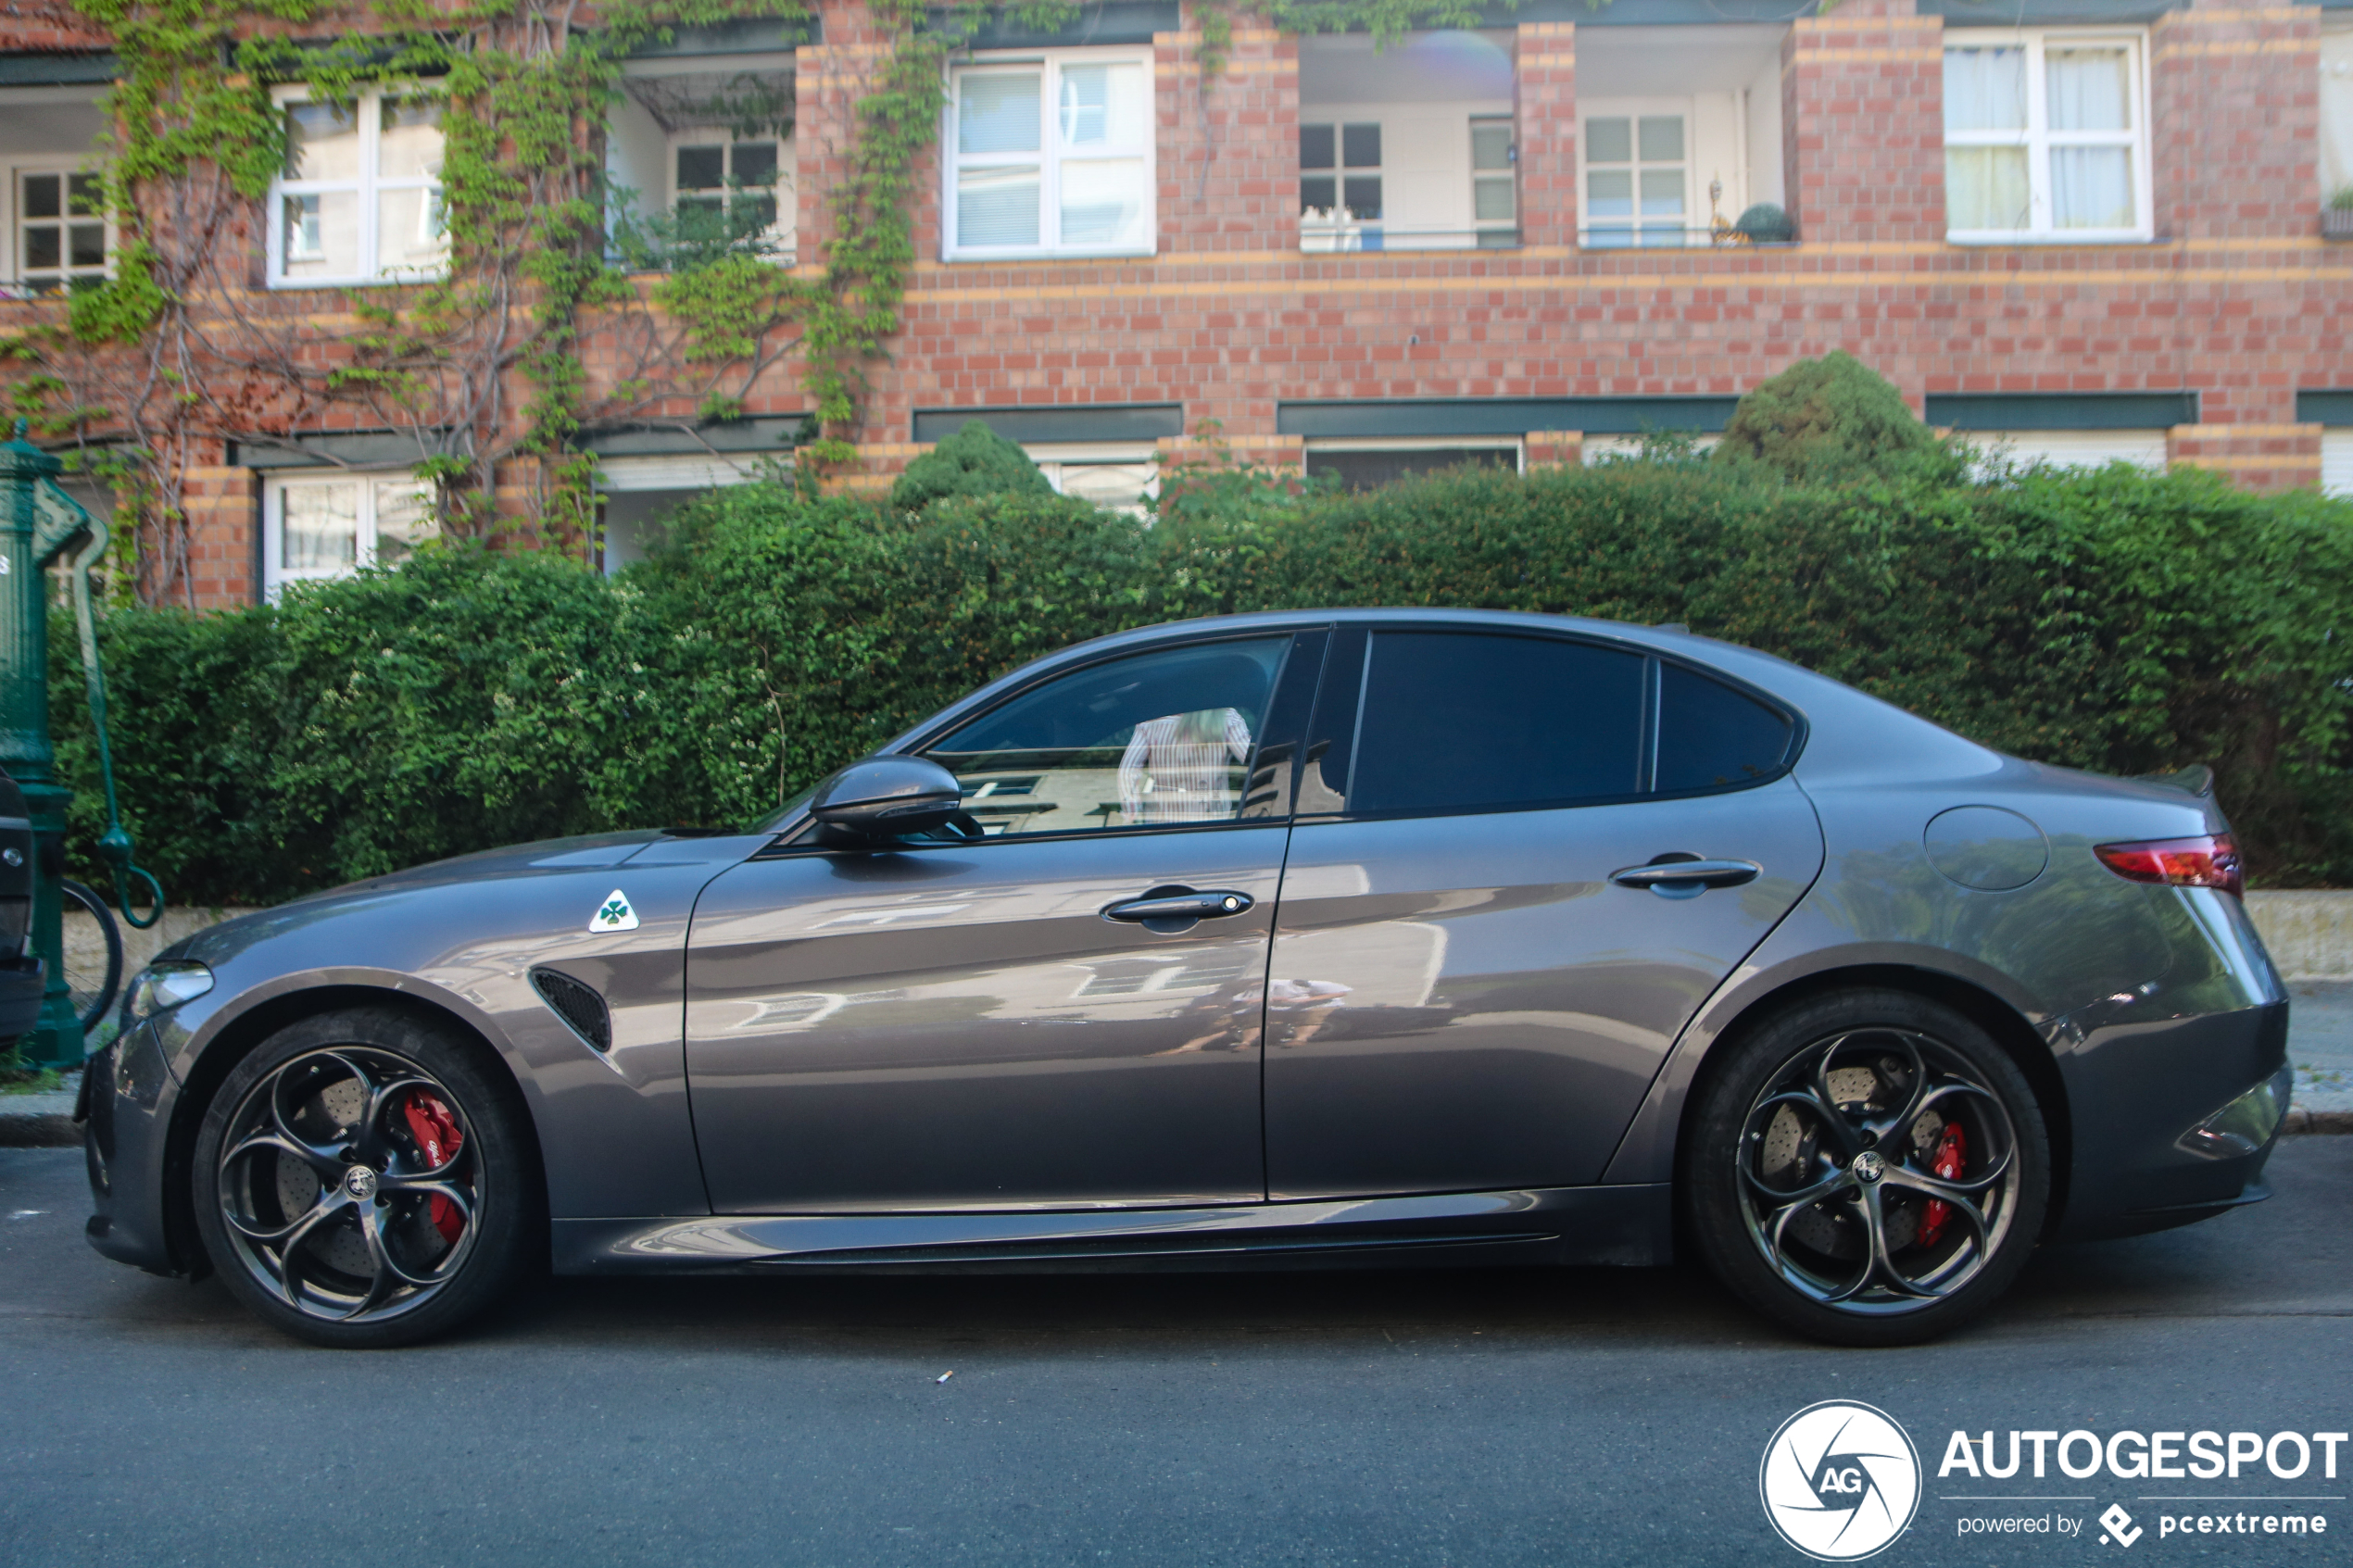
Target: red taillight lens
(2179, 862)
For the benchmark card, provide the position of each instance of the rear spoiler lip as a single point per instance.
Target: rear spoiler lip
(2197, 779)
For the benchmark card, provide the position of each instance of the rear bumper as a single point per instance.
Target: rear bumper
(2172, 1119)
(130, 1098)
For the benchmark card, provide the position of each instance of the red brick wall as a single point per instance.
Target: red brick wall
(2234, 121)
(1228, 154)
(1863, 124)
(1547, 133)
(2236, 299)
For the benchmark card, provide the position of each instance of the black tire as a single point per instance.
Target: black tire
(436, 1230)
(95, 992)
(1811, 1177)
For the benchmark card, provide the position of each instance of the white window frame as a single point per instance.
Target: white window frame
(1049, 156)
(367, 186)
(1056, 459)
(275, 575)
(2038, 139)
(1515, 445)
(781, 233)
(63, 165)
(1636, 234)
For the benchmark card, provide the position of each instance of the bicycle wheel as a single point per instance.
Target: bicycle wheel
(93, 959)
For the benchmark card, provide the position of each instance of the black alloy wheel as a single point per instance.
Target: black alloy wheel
(361, 1179)
(1869, 1168)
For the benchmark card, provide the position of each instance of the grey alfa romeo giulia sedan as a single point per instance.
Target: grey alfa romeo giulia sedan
(1366, 936)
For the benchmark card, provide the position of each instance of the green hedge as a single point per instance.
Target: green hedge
(2117, 621)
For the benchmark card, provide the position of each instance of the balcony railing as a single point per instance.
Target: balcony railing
(1321, 232)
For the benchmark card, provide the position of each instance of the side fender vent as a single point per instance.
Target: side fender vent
(577, 1005)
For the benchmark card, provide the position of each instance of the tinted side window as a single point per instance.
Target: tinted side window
(1152, 740)
(1462, 720)
(1710, 735)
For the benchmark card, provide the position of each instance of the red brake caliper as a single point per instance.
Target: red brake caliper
(1952, 1154)
(434, 1127)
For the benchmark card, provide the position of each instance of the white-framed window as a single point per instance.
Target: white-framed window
(2046, 135)
(64, 233)
(359, 199)
(1494, 180)
(1049, 155)
(1367, 462)
(1115, 475)
(1636, 163)
(716, 177)
(331, 526)
(1596, 450)
(2336, 110)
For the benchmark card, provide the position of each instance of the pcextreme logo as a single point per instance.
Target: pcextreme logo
(1839, 1481)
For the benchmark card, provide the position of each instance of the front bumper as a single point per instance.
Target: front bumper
(130, 1097)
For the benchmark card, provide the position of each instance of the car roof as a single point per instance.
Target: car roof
(1858, 723)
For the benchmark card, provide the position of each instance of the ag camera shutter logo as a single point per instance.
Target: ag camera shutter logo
(1839, 1481)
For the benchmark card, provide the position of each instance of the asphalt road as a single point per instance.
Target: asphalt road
(1463, 1419)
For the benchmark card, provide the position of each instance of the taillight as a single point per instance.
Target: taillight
(2179, 862)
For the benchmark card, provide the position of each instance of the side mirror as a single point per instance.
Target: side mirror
(884, 797)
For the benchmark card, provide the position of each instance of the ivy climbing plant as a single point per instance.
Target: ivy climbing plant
(179, 351)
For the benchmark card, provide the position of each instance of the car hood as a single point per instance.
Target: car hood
(470, 880)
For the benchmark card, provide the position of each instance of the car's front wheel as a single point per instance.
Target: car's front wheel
(1867, 1168)
(363, 1179)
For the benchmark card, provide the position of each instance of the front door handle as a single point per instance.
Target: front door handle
(1174, 904)
(1687, 878)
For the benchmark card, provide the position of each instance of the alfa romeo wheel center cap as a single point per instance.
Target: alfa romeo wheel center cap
(1867, 1166)
(361, 1183)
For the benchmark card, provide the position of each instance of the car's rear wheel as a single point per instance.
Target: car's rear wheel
(363, 1179)
(1867, 1168)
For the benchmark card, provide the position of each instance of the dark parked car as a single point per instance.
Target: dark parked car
(23, 977)
(1368, 935)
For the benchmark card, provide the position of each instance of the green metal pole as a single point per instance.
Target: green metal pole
(24, 739)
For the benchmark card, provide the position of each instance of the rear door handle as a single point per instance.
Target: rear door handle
(1687, 879)
(1181, 904)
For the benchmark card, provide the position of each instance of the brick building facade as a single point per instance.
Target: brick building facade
(2086, 229)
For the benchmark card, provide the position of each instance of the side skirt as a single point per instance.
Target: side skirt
(1611, 1224)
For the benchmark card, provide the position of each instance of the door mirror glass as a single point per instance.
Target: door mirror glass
(885, 797)
(1153, 740)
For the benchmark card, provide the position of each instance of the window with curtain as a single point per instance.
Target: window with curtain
(314, 528)
(2046, 136)
(360, 198)
(2336, 112)
(1050, 157)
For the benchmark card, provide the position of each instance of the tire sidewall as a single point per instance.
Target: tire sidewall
(505, 1215)
(1708, 1180)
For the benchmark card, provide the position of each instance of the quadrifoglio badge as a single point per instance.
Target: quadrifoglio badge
(1841, 1481)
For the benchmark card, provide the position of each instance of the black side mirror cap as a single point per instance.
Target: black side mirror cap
(887, 798)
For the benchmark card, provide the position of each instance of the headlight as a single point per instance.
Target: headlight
(161, 986)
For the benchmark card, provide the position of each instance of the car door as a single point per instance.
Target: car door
(989, 1024)
(1462, 997)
